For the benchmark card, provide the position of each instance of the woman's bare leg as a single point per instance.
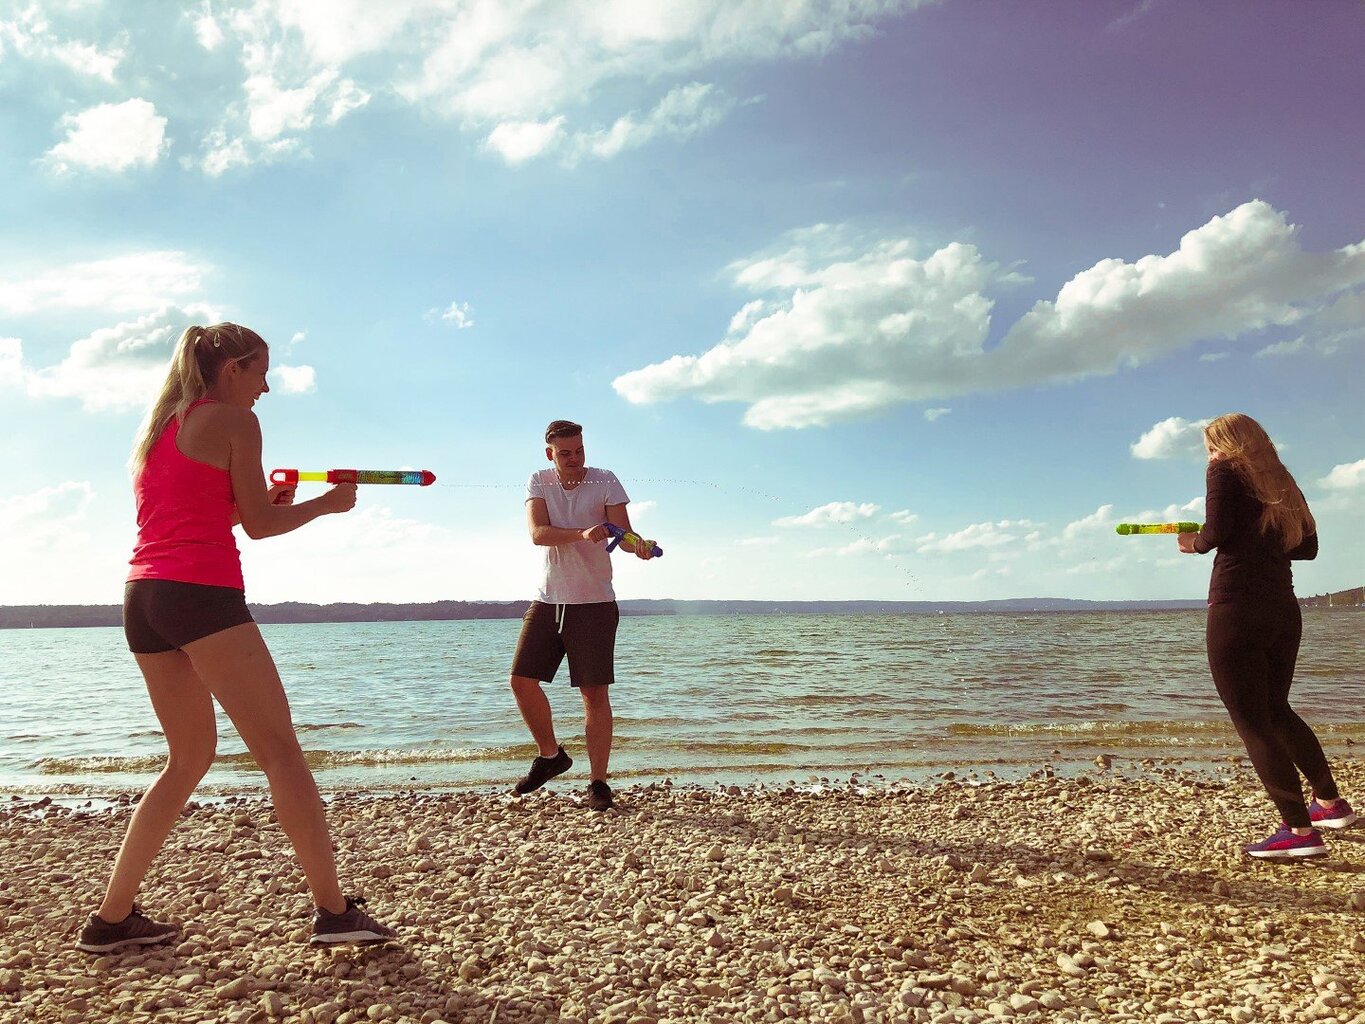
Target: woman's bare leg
(238, 670)
(185, 710)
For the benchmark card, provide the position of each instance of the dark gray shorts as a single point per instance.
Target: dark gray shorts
(584, 632)
(164, 615)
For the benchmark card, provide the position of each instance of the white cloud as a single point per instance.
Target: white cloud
(642, 508)
(135, 282)
(1283, 348)
(512, 72)
(456, 315)
(861, 546)
(498, 61)
(519, 141)
(110, 137)
(1340, 324)
(120, 368)
(857, 333)
(55, 557)
(905, 517)
(373, 538)
(684, 112)
(294, 380)
(46, 514)
(856, 328)
(1214, 357)
(1345, 477)
(285, 90)
(11, 362)
(30, 35)
(88, 60)
(834, 512)
(115, 368)
(1171, 437)
(207, 30)
(977, 535)
(1238, 273)
(1103, 520)
(933, 414)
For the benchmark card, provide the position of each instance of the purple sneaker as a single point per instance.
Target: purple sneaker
(1339, 815)
(1284, 845)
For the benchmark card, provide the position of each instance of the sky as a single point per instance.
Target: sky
(878, 299)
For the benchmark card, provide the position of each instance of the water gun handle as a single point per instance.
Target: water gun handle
(618, 535)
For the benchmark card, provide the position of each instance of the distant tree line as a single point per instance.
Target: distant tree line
(68, 615)
(52, 616)
(1353, 598)
(56, 615)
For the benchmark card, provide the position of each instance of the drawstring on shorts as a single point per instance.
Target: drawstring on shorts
(561, 614)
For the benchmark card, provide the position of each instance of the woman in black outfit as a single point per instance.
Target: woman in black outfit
(1258, 519)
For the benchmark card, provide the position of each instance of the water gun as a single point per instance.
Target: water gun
(618, 535)
(290, 477)
(1130, 529)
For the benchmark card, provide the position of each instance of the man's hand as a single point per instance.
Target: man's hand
(595, 534)
(644, 549)
(1185, 542)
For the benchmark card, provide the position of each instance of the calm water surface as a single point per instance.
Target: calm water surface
(699, 698)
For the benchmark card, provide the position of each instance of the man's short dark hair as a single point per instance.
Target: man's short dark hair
(561, 428)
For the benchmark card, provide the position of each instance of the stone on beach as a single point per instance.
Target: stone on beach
(1089, 899)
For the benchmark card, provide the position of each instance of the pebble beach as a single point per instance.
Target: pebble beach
(1116, 894)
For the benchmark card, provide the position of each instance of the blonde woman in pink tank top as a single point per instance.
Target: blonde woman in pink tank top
(197, 473)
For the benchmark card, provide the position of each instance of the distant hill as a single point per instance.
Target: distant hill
(1354, 598)
(66, 615)
(24, 616)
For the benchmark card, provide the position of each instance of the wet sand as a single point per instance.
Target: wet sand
(1112, 896)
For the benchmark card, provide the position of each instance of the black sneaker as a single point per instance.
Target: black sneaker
(99, 936)
(599, 795)
(543, 769)
(352, 926)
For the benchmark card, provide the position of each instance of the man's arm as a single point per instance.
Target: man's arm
(545, 535)
(617, 516)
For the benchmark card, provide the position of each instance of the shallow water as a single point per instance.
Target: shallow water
(699, 698)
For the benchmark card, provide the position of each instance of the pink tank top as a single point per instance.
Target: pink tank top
(184, 518)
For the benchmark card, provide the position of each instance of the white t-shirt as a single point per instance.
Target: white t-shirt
(577, 573)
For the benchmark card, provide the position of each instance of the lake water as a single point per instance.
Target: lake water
(735, 699)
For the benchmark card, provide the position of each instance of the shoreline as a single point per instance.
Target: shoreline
(1097, 897)
(749, 779)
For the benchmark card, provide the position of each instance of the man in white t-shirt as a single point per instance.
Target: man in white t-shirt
(575, 611)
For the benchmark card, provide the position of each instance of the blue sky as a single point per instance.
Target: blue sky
(881, 299)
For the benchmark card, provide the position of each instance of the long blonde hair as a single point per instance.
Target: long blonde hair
(200, 355)
(1252, 454)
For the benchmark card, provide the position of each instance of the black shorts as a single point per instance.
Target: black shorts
(585, 632)
(164, 615)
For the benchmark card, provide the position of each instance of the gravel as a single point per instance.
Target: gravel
(1108, 897)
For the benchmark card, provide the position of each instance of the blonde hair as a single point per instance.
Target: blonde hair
(1252, 454)
(200, 355)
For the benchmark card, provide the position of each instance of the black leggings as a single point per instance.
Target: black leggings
(1252, 649)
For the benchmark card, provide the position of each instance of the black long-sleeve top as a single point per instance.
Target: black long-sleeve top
(1249, 564)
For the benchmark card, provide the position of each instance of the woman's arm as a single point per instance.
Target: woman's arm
(259, 517)
(1220, 507)
(1307, 549)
